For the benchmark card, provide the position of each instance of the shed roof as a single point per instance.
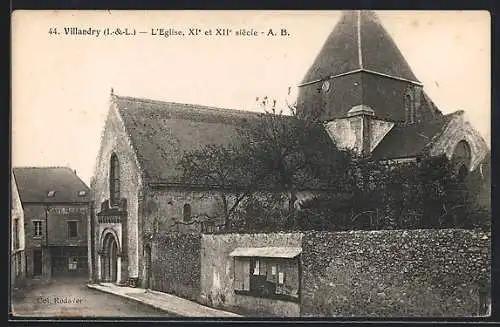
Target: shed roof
(267, 252)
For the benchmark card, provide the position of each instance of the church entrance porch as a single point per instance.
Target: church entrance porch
(110, 259)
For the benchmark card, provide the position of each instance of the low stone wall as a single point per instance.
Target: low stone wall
(175, 264)
(393, 273)
(396, 273)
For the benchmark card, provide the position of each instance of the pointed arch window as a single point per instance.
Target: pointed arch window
(410, 109)
(114, 180)
(461, 158)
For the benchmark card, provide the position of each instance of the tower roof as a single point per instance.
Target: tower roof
(359, 42)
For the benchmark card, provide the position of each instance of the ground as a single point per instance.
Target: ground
(48, 300)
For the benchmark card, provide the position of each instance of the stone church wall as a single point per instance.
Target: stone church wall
(114, 140)
(457, 130)
(164, 209)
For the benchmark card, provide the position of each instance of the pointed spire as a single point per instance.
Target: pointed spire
(359, 42)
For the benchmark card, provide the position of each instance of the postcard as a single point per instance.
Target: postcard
(159, 156)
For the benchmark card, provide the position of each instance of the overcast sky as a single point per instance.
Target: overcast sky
(61, 83)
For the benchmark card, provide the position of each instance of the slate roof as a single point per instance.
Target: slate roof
(404, 141)
(34, 184)
(161, 132)
(359, 41)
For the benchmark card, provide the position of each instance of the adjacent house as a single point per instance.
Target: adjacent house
(17, 254)
(360, 86)
(56, 208)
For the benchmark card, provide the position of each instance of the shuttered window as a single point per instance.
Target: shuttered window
(37, 228)
(72, 229)
(242, 274)
(246, 275)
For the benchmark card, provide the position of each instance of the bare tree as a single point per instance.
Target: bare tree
(277, 152)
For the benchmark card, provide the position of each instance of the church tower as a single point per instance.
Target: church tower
(360, 85)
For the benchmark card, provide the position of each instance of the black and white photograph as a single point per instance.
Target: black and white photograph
(250, 164)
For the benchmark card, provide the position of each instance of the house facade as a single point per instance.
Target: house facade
(17, 241)
(56, 209)
(359, 86)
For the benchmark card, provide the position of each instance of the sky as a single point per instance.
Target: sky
(61, 83)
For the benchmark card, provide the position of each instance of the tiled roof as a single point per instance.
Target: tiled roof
(35, 183)
(405, 141)
(359, 41)
(161, 132)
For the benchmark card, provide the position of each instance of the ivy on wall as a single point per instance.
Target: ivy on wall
(176, 264)
(395, 273)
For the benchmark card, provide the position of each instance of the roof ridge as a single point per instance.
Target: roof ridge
(42, 167)
(189, 105)
(455, 113)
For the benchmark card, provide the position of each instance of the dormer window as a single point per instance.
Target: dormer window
(51, 193)
(114, 181)
(82, 193)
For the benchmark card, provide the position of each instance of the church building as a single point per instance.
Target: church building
(359, 86)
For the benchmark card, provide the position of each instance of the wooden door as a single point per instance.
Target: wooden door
(37, 262)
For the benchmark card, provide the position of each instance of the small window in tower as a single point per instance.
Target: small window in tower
(409, 104)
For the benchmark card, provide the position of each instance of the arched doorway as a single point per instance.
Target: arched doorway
(110, 258)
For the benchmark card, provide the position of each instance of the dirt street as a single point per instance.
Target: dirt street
(70, 297)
